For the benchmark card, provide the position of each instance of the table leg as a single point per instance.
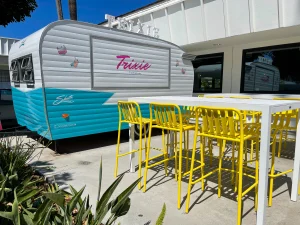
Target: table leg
(132, 157)
(263, 166)
(296, 172)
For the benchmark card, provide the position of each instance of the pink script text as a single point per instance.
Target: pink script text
(132, 65)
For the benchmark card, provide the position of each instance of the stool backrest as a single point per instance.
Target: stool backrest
(220, 122)
(129, 112)
(291, 113)
(166, 116)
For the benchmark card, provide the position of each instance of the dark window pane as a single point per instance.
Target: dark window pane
(208, 71)
(272, 70)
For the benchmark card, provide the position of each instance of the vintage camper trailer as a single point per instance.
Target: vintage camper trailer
(261, 77)
(67, 77)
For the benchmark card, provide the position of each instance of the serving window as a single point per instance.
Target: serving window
(208, 73)
(273, 69)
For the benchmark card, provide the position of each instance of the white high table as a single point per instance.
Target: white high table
(267, 107)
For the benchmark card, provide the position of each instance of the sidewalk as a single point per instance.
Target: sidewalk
(81, 168)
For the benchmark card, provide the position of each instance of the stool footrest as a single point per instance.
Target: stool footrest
(128, 153)
(206, 175)
(249, 189)
(160, 162)
(280, 174)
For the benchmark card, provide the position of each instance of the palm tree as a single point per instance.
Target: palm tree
(59, 10)
(73, 9)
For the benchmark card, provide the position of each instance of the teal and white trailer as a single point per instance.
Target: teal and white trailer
(67, 77)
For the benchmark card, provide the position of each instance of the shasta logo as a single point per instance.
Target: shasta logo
(63, 98)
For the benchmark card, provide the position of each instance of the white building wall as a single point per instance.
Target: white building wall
(5, 45)
(194, 21)
(185, 22)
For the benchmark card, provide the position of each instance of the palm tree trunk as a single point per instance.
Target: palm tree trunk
(73, 9)
(59, 10)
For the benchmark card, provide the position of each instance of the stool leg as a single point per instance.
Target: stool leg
(285, 139)
(202, 159)
(176, 155)
(252, 150)
(272, 173)
(165, 151)
(187, 206)
(232, 163)
(140, 154)
(246, 153)
(180, 171)
(145, 140)
(256, 171)
(222, 144)
(280, 143)
(237, 177)
(147, 158)
(186, 134)
(240, 184)
(210, 151)
(118, 150)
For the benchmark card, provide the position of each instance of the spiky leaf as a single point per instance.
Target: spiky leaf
(42, 211)
(75, 200)
(107, 194)
(162, 214)
(59, 199)
(122, 198)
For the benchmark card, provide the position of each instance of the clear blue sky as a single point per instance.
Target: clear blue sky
(91, 11)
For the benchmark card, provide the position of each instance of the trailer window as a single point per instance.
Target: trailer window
(273, 69)
(208, 73)
(14, 70)
(27, 69)
(22, 70)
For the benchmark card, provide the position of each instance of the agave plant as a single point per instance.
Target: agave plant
(16, 195)
(58, 207)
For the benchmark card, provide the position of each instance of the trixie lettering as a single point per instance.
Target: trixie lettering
(130, 64)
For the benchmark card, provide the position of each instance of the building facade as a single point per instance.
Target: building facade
(242, 46)
(6, 105)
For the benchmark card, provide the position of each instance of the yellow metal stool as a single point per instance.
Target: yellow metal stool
(167, 117)
(281, 122)
(130, 113)
(255, 117)
(283, 133)
(225, 125)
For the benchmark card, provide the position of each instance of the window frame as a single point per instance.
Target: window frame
(213, 55)
(19, 62)
(265, 48)
(15, 69)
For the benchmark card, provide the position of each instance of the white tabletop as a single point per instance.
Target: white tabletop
(242, 104)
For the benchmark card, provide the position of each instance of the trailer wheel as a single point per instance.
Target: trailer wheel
(137, 130)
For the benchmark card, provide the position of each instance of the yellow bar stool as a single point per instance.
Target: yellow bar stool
(225, 125)
(167, 117)
(283, 131)
(281, 122)
(255, 117)
(130, 113)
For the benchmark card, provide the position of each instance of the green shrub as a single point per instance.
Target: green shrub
(15, 149)
(26, 199)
